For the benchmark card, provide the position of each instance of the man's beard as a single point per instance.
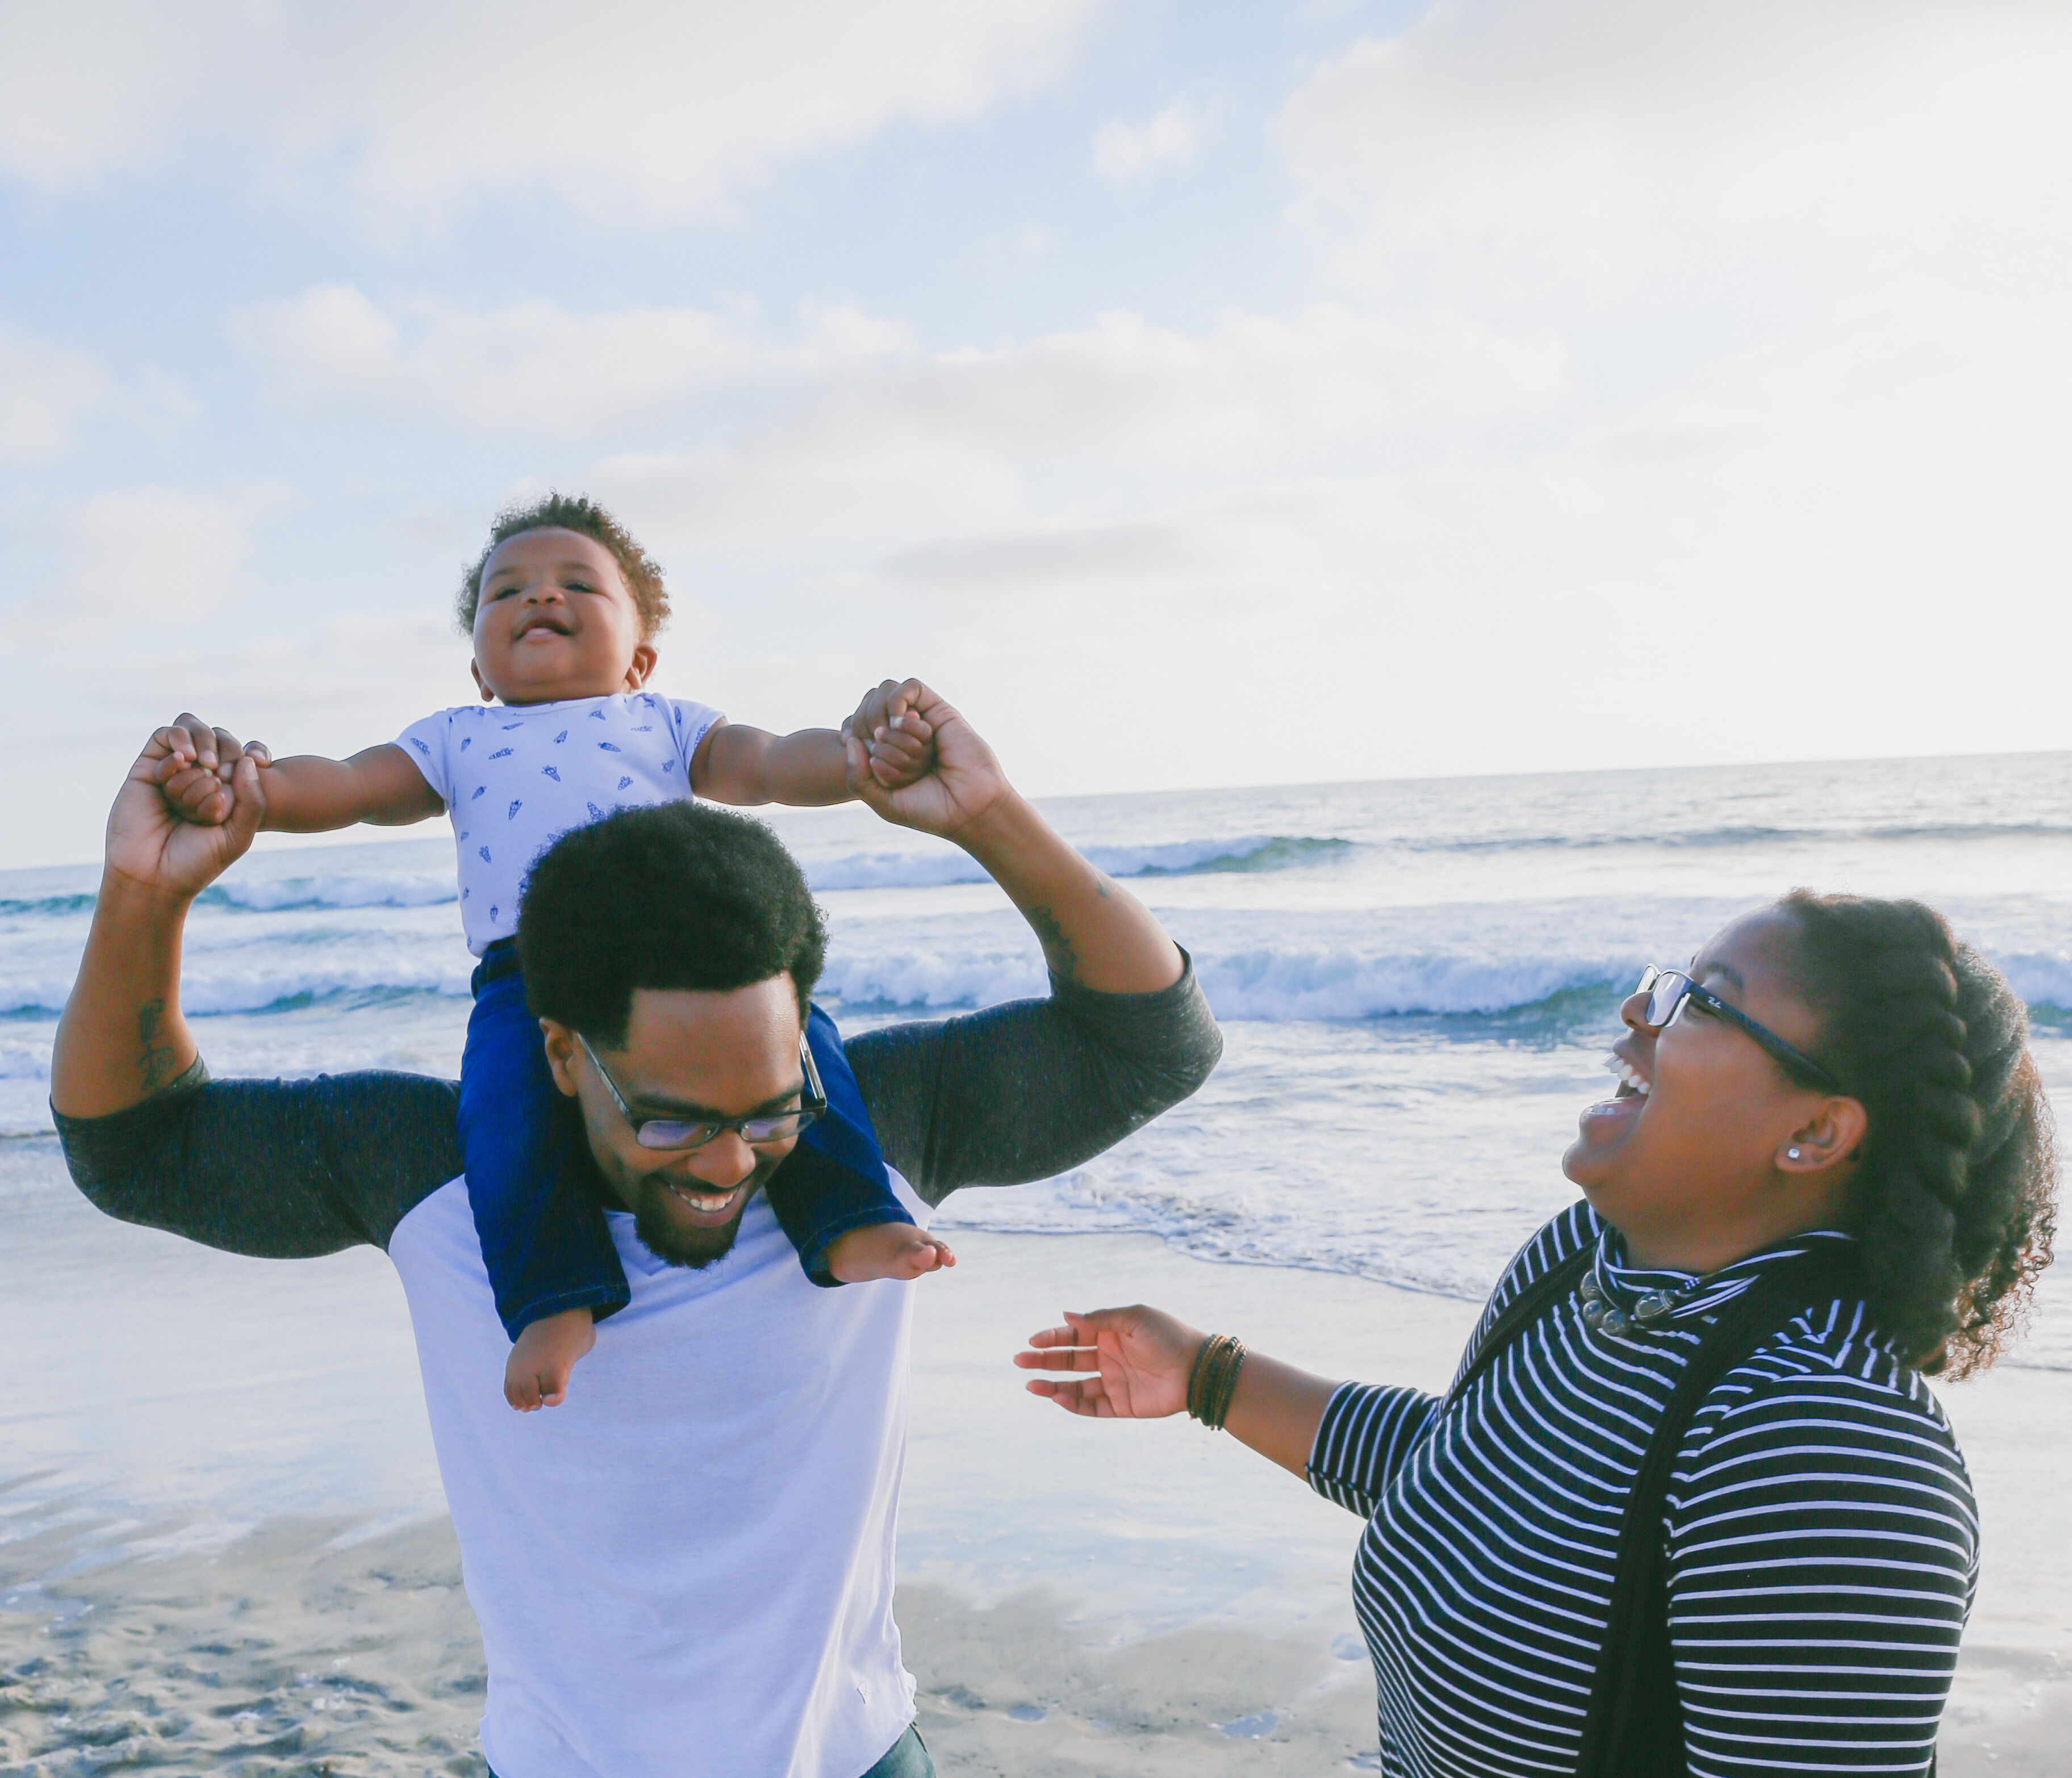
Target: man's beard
(676, 1245)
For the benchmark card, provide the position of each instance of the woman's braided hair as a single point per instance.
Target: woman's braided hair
(1955, 1197)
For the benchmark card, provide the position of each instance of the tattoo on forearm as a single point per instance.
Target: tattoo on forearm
(158, 1062)
(1057, 947)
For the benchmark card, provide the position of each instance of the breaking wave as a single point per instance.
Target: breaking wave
(856, 871)
(1290, 980)
(1176, 858)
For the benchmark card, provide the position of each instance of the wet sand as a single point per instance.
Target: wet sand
(1075, 1598)
(281, 1653)
(285, 1654)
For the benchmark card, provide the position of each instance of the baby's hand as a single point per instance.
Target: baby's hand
(886, 1249)
(194, 776)
(898, 745)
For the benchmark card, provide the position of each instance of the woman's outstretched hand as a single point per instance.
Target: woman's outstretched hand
(1128, 1364)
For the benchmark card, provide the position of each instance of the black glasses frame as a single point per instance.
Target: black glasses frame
(814, 1101)
(1679, 987)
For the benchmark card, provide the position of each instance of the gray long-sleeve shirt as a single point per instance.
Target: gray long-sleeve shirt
(284, 1169)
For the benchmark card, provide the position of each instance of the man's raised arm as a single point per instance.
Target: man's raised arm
(1022, 1091)
(259, 1167)
(1093, 933)
(122, 1037)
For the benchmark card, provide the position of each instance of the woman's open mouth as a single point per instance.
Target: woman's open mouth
(1624, 1105)
(1631, 1080)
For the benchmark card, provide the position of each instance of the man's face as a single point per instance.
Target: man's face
(688, 1055)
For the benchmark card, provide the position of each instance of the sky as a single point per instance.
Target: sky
(1195, 394)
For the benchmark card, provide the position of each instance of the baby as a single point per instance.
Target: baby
(563, 606)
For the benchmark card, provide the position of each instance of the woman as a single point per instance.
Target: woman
(1827, 1170)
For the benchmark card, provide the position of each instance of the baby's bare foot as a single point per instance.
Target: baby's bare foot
(536, 1374)
(886, 1249)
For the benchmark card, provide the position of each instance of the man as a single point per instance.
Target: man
(687, 1568)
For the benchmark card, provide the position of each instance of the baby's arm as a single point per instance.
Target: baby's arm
(745, 766)
(306, 794)
(742, 765)
(379, 785)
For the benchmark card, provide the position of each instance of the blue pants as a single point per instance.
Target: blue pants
(543, 1233)
(905, 1758)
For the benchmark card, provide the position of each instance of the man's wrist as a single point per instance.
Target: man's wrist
(1001, 830)
(133, 900)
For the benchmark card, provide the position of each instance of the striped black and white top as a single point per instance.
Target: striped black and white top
(1822, 1538)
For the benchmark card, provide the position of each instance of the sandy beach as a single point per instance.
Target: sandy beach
(1075, 1598)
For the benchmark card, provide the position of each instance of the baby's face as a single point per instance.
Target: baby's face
(554, 621)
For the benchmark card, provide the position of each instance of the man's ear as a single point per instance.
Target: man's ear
(561, 1054)
(644, 657)
(488, 696)
(1829, 1139)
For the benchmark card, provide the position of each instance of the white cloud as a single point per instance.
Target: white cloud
(532, 367)
(1819, 530)
(839, 384)
(535, 369)
(154, 557)
(1613, 139)
(1102, 427)
(48, 393)
(53, 396)
(1247, 386)
(632, 107)
(1169, 137)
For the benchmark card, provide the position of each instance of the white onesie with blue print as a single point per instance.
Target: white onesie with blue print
(515, 778)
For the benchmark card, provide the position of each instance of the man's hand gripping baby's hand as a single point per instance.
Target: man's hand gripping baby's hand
(899, 747)
(195, 775)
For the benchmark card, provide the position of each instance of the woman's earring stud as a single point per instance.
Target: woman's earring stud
(1791, 1154)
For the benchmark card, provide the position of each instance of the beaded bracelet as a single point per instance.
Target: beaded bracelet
(1213, 1380)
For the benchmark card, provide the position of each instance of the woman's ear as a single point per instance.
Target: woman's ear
(1830, 1138)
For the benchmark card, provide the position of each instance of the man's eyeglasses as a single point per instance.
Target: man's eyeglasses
(1670, 991)
(678, 1133)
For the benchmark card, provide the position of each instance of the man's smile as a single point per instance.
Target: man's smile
(705, 1205)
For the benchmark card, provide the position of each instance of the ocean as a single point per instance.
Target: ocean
(1417, 979)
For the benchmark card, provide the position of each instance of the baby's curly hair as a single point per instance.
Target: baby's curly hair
(572, 512)
(1955, 1199)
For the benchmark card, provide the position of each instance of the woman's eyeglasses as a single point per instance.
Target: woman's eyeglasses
(677, 1133)
(1670, 991)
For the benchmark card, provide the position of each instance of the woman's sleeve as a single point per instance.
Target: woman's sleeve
(1367, 1430)
(1824, 1550)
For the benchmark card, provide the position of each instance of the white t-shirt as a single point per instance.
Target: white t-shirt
(686, 1568)
(516, 778)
